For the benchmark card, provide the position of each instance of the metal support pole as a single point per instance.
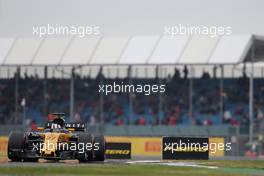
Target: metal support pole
(191, 92)
(16, 93)
(101, 97)
(251, 106)
(8, 73)
(158, 73)
(72, 94)
(130, 96)
(45, 90)
(23, 104)
(251, 102)
(221, 92)
(24, 117)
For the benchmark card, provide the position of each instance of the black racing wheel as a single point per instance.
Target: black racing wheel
(15, 143)
(99, 155)
(85, 138)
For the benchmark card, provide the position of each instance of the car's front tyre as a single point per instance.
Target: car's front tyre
(15, 146)
(87, 155)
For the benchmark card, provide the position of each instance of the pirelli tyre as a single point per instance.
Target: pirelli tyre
(15, 146)
(87, 156)
(99, 152)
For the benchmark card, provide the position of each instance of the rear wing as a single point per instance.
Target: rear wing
(74, 126)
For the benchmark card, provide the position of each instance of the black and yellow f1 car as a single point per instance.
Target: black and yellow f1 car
(56, 141)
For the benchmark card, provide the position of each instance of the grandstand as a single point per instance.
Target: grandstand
(209, 82)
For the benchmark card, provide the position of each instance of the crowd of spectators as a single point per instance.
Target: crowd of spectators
(173, 107)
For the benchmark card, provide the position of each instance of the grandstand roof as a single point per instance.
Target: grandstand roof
(122, 50)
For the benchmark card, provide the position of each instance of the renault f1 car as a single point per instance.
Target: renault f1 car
(57, 140)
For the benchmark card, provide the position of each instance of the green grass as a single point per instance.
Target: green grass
(236, 168)
(254, 164)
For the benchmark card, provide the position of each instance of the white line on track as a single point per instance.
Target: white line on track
(176, 164)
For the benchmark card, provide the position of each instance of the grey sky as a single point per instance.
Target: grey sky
(130, 17)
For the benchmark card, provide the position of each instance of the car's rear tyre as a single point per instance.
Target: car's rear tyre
(15, 143)
(85, 138)
(99, 155)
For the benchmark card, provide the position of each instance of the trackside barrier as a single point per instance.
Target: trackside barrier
(151, 146)
(141, 146)
(3, 145)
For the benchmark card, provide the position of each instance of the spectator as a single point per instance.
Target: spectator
(173, 110)
(185, 72)
(141, 121)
